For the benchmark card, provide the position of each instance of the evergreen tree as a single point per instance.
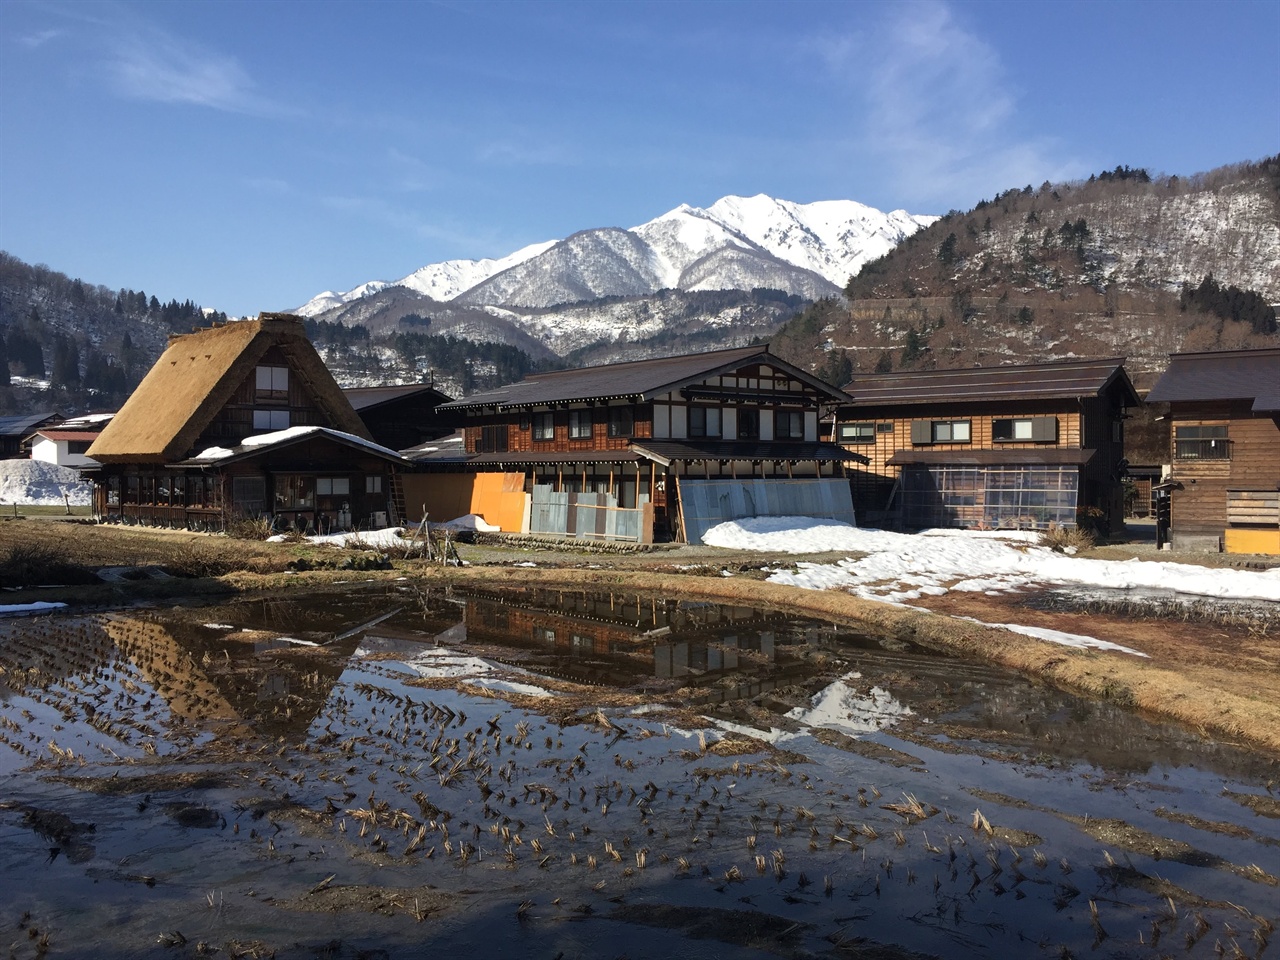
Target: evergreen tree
(885, 363)
(914, 348)
(4, 363)
(66, 363)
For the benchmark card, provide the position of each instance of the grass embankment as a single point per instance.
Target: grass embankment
(1209, 685)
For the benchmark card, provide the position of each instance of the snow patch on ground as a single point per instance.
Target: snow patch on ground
(441, 662)
(42, 484)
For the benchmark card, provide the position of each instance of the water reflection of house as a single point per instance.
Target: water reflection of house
(242, 419)
(988, 447)
(623, 640)
(651, 449)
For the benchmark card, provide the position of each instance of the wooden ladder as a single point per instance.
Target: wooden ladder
(398, 512)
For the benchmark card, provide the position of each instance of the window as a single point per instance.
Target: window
(295, 492)
(334, 486)
(1201, 443)
(704, 421)
(1025, 430)
(373, 484)
(856, 432)
(544, 635)
(78, 446)
(788, 425)
(621, 422)
(939, 431)
(270, 419)
(273, 383)
(748, 424)
(493, 439)
(1011, 429)
(580, 424)
(544, 426)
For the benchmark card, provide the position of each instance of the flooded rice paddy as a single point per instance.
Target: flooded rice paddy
(553, 774)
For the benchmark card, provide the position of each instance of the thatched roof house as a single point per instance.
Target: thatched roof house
(185, 396)
(311, 463)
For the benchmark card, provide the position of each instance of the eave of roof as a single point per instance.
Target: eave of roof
(1063, 456)
(670, 451)
(289, 438)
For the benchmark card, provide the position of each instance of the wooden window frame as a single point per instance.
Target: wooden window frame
(581, 424)
(793, 419)
(748, 416)
(703, 431)
(544, 427)
(271, 382)
(864, 432)
(1205, 441)
(622, 422)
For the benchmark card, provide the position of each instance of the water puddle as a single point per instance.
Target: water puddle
(388, 770)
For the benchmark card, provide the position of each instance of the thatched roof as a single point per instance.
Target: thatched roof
(196, 377)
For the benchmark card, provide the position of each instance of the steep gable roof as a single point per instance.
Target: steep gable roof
(1222, 375)
(198, 374)
(640, 379)
(1065, 379)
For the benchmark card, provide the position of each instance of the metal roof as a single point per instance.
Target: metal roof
(362, 398)
(27, 423)
(1222, 375)
(53, 433)
(1060, 379)
(1016, 457)
(642, 379)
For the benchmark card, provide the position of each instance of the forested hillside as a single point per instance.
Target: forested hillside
(74, 346)
(1121, 264)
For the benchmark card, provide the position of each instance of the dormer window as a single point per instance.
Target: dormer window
(272, 383)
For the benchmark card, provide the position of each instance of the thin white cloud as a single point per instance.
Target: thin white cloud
(151, 64)
(39, 39)
(395, 217)
(940, 111)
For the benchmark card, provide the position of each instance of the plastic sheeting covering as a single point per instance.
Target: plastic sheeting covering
(594, 516)
(705, 503)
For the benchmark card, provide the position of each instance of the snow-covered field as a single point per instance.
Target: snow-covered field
(41, 484)
(900, 567)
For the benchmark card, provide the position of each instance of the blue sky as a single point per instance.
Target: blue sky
(248, 155)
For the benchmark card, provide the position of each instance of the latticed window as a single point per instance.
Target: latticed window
(544, 426)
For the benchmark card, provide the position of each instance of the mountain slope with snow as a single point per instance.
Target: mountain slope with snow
(738, 243)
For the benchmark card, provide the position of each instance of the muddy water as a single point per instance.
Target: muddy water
(387, 771)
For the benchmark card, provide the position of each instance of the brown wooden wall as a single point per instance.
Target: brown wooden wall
(520, 430)
(1200, 506)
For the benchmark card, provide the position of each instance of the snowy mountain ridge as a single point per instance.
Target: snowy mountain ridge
(736, 243)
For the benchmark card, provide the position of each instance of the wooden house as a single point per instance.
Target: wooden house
(242, 419)
(401, 417)
(990, 447)
(1225, 449)
(650, 449)
(68, 443)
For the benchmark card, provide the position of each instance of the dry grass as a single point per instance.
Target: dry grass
(1063, 538)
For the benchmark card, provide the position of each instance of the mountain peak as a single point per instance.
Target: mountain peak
(805, 249)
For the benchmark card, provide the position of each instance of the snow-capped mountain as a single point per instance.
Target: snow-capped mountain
(738, 243)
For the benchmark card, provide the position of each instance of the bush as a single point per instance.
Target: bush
(1067, 539)
(249, 529)
(207, 560)
(37, 564)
